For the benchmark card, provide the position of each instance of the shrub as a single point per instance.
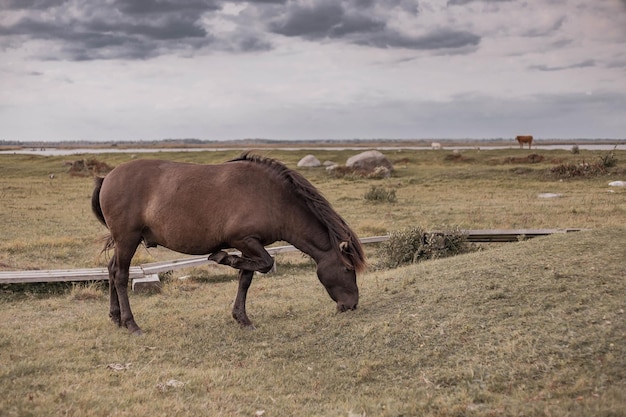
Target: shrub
(380, 195)
(413, 244)
(575, 149)
(608, 160)
(586, 169)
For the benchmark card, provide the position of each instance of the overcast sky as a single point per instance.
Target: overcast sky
(311, 69)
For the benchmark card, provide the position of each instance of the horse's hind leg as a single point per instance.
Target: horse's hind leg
(120, 311)
(239, 308)
(114, 302)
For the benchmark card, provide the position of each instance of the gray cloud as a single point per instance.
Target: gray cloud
(617, 63)
(582, 64)
(353, 23)
(129, 29)
(143, 7)
(462, 2)
(140, 29)
(541, 32)
(438, 39)
(30, 4)
(323, 20)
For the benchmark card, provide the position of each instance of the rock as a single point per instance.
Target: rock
(368, 161)
(309, 161)
(617, 184)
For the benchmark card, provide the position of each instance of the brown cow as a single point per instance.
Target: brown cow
(524, 139)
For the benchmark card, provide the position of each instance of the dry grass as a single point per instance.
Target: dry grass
(487, 333)
(532, 328)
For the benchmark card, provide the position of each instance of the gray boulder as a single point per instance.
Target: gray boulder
(368, 161)
(309, 161)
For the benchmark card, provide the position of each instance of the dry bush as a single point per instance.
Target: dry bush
(340, 171)
(413, 244)
(586, 169)
(380, 195)
(582, 169)
(88, 168)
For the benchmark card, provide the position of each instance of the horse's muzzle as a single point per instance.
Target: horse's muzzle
(341, 307)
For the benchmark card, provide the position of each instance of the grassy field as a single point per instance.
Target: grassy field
(47, 223)
(532, 328)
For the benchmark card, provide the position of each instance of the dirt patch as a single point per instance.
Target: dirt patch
(533, 158)
(521, 170)
(87, 167)
(456, 157)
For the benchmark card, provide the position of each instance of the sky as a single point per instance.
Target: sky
(125, 70)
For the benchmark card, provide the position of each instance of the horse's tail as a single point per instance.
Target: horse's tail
(95, 200)
(97, 210)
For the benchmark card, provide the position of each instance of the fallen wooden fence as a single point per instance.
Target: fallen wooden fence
(149, 272)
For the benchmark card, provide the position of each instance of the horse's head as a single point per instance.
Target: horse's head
(340, 282)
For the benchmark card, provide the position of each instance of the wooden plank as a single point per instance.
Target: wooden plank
(96, 274)
(512, 235)
(60, 275)
(148, 284)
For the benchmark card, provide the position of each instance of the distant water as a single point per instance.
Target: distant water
(77, 151)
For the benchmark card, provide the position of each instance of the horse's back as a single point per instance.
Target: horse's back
(207, 204)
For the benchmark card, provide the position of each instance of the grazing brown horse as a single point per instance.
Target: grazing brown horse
(524, 139)
(246, 204)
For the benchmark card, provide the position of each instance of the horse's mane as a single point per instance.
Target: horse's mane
(342, 238)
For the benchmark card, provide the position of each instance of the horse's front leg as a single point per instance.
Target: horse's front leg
(253, 257)
(239, 308)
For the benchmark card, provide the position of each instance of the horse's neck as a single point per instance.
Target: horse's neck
(307, 234)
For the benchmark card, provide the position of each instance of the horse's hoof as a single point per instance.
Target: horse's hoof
(133, 328)
(243, 320)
